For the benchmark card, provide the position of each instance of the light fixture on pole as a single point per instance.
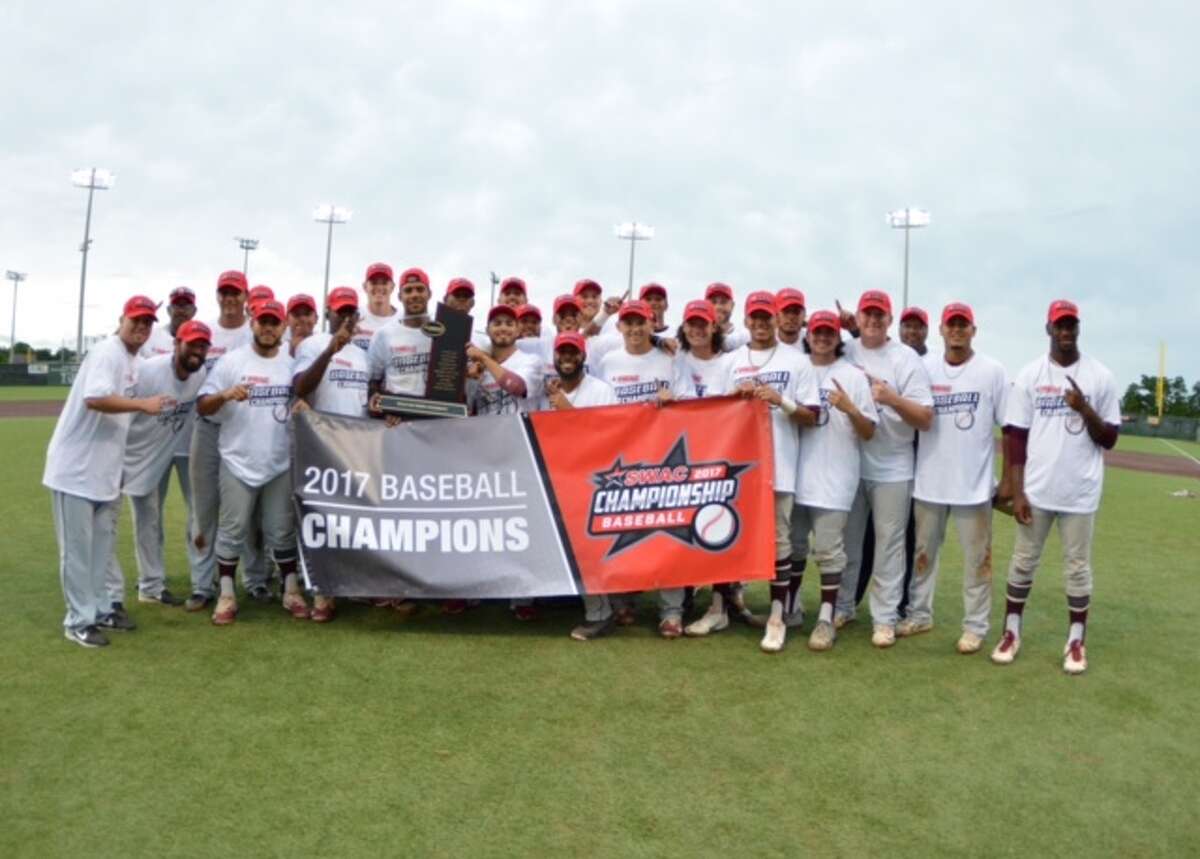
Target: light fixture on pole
(246, 245)
(94, 179)
(633, 233)
(327, 213)
(907, 220)
(16, 277)
(495, 283)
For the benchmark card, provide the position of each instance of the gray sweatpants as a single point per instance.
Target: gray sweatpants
(272, 502)
(828, 528)
(85, 530)
(1075, 533)
(597, 607)
(205, 468)
(888, 503)
(974, 525)
(149, 536)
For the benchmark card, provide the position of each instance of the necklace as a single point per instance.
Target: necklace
(750, 357)
(962, 367)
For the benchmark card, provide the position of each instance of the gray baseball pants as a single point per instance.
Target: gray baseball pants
(1075, 533)
(269, 504)
(974, 525)
(86, 531)
(889, 504)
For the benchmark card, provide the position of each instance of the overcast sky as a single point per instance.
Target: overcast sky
(1056, 146)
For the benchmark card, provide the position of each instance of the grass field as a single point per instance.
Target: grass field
(11, 393)
(474, 736)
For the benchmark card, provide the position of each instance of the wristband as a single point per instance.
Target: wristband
(788, 405)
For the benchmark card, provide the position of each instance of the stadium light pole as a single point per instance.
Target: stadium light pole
(908, 220)
(495, 283)
(327, 213)
(16, 277)
(633, 233)
(246, 245)
(94, 179)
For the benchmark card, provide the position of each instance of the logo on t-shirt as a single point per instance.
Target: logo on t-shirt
(175, 414)
(635, 392)
(1050, 402)
(962, 405)
(277, 398)
(690, 501)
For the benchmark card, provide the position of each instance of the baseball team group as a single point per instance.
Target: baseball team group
(878, 443)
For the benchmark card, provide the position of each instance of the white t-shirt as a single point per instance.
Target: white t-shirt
(789, 372)
(1064, 470)
(86, 451)
(399, 355)
(160, 342)
(637, 378)
(601, 345)
(830, 459)
(735, 338)
(368, 324)
(696, 378)
(254, 442)
(486, 397)
(591, 392)
(888, 456)
(226, 340)
(343, 388)
(955, 459)
(154, 440)
(542, 348)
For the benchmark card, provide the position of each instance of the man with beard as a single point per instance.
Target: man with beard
(378, 285)
(83, 471)
(791, 317)
(181, 306)
(229, 332)
(301, 321)
(398, 357)
(720, 295)
(567, 317)
(249, 393)
(150, 450)
(1063, 413)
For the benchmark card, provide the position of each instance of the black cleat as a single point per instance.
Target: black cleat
(89, 636)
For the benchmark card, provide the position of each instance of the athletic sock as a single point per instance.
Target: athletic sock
(1078, 628)
(829, 591)
(1016, 595)
(779, 594)
(226, 570)
(794, 583)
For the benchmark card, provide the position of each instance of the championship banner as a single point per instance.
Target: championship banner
(598, 500)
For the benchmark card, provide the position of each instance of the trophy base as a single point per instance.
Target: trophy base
(419, 408)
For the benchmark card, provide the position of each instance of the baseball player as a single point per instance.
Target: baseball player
(567, 317)
(229, 332)
(460, 296)
(1063, 413)
(301, 320)
(151, 449)
(330, 373)
(781, 376)
(655, 296)
(513, 292)
(954, 477)
(900, 388)
(379, 285)
(700, 366)
(791, 317)
(590, 296)
(249, 393)
(259, 293)
(829, 467)
(720, 295)
(529, 321)
(398, 357)
(83, 471)
(181, 306)
(914, 329)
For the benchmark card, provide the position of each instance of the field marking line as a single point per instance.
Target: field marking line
(1180, 451)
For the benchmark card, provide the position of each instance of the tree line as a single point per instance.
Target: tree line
(1178, 399)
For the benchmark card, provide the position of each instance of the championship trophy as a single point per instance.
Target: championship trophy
(445, 386)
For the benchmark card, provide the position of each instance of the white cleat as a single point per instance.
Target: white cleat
(840, 620)
(907, 627)
(969, 642)
(883, 636)
(775, 636)
(822, 637)
(1007, 649)
(713, 620)
(1075, 657)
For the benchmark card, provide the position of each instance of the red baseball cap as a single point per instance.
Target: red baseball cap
(650, 289)
(528, 310)
(232, 278)
(269, 308)
(181, 295)
(825, 319)
(762, 302)
(501, 309)
(789, 297)
(875, 298)
(301, 300)
(459, 284)
(635, 308)
(570, 338)
(414, 273)
(513, 283)
(194, 331)
(718, 288)
(140, 307)
(910, 312)
(1061, 309)
(957, 308)
(379, 269)
(260, 293)
(341, 297)
(566, 301)
(586, 283)
(701, 309)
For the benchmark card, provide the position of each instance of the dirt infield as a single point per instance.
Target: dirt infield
(1150, 462)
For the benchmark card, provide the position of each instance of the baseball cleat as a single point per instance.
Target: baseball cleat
(775, 636)
(164, 598)
(197, 602)
(794, 618)
(322, 610)
(89, 636)
(1075, 657)
(713, 620)
(625, 616)
(969, 642)
(822, 637)
(593, 629)
(908, 627)
(260, 594)
(1007, 649)
(295, 605)
(117, 619)
(840, 620)
(525, 613)
(226, 611)
(670, 627)
(883, 636)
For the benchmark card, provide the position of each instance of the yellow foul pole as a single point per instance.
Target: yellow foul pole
(1162, 376)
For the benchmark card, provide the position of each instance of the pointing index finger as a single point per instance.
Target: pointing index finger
(1073, 384)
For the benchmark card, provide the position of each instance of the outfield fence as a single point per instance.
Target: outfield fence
(1169, 426)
